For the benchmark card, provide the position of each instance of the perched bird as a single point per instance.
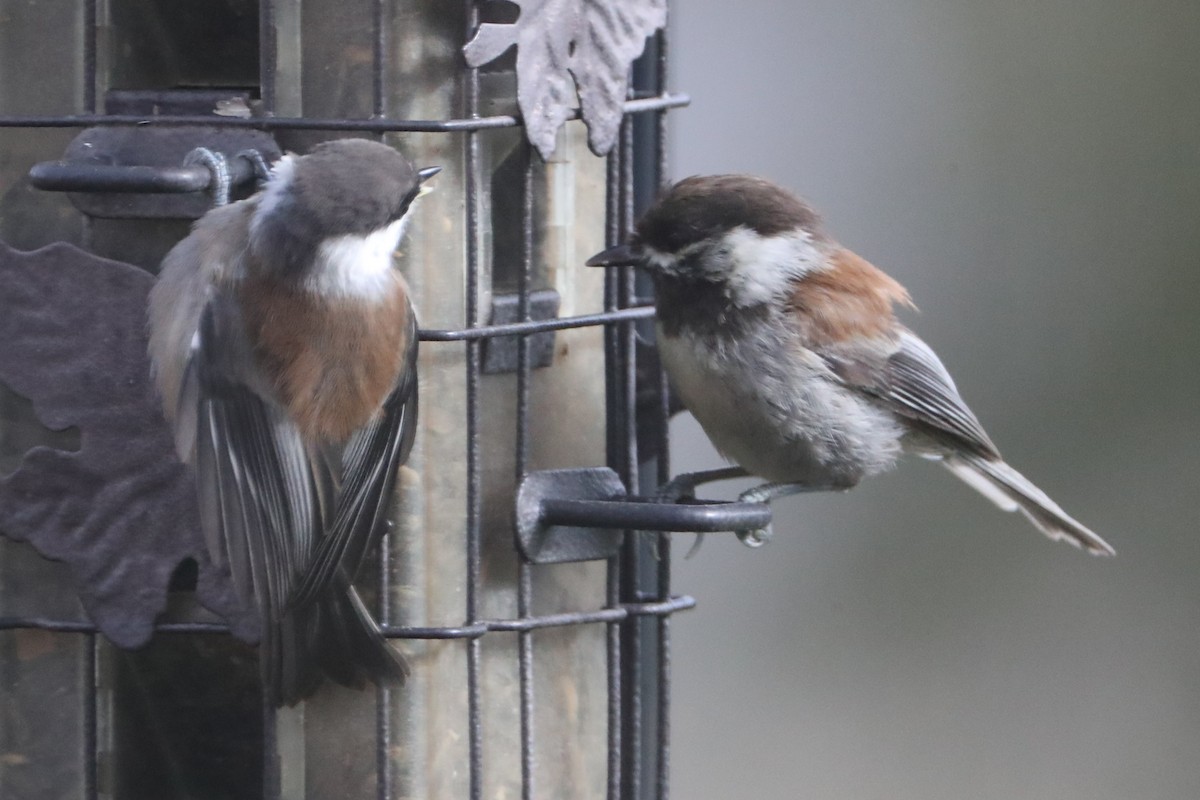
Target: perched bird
(284, 345)
(784, 346)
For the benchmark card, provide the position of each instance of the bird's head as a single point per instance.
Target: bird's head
(346, 201)
(745, 234)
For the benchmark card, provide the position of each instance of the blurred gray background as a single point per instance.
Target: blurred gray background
(1031, 172)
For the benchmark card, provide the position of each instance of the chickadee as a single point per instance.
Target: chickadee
(284, 345)
(784, 346)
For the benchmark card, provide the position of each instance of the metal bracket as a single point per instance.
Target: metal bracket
(139, 172)
(581, 514)
(500, 353)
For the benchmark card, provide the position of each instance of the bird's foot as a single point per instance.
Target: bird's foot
(765, 494)
(683, 487)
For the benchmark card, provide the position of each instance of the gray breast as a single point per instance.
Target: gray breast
(785, 419)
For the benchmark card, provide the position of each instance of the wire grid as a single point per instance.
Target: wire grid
(638, 600)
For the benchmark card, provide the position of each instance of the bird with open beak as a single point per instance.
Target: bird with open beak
(283, 342)
(785, 347)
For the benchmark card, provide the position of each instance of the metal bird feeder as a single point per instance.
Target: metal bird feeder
(541, 661)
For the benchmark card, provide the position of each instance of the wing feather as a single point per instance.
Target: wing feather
(259, 502)
(370, 462)
(910, 380)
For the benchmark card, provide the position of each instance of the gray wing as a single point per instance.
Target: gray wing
(370, 464)
(911, 381)
(258, 498)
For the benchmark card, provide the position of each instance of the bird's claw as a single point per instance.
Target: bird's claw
(757, 537)
(683, 487)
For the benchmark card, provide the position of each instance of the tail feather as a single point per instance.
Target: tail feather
(332, 638)
(1011, 491)
(353, 650)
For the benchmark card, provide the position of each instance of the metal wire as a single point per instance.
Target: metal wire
(464, 125)
(663, 455)
(472, 180)
(618, 613)
(613, 581)
(527, 327)
(383, 695)
(632, 644)
(525, 570)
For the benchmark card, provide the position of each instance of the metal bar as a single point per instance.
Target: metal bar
(89, 56)
(618, 614)
(626, 293)
(613, 654)
(643, 514)
(663, 454)
(379, 47)
(72, 626)
(474, 631)
(660, 144)
(631, 650)
(471, 631)
(524, 569)
(383, 694)
(613, 584)
(268, 55)
(77, 176)
(631, 550)
(541, 326)
(474, 530)
(463, 125)
(663, 775)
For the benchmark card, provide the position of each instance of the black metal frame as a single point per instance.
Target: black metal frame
(638, 600)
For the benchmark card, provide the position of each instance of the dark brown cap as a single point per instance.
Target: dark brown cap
(704, 206)
(352, 186)
(342, 187)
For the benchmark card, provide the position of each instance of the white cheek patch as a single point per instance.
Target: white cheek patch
(357, 266)
(762, 268)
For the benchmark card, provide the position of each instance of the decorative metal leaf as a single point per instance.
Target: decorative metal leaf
(121, 511)
(594, 41)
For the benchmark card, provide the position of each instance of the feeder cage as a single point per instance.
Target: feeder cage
(539, 643)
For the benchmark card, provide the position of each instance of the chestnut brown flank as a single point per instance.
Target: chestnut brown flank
(333, 361)
(851, 298)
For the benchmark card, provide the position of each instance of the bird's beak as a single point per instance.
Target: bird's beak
(424, 175)
(622, 255)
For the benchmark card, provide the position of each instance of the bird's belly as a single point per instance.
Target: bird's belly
(787, 426)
